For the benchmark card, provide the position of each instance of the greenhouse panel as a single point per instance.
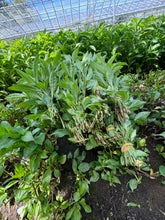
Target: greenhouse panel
(26, 17)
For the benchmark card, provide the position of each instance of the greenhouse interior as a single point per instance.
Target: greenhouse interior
(82, 109)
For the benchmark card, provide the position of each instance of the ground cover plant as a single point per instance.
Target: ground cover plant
(103, 98)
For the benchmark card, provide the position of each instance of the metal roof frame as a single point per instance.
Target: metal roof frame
(25, 17)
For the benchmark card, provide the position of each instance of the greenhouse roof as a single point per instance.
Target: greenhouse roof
(25, 17)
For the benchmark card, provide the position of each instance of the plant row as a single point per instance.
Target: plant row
(140, 43)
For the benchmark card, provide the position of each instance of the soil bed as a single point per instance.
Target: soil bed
(111, 202)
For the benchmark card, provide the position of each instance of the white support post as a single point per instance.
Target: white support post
(114, 11)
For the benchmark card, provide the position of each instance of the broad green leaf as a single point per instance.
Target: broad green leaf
(10, 184)
(140, 153)
(133, 135)
(64, 205)
(100, 79)
(66, 117)
(48, 145)
(46, 100)
(162, 134)
(21, 194)
(75, 91)
(76, 196)
(32, 90)
(116, 180)
(40, 85)
(53, 158)
(65, 85)
(33, 116)
(22, 211)
(86, 207)
(46, 178)
(76, 153)
(34, 162)
(133, 184)
(6, 125)
(89, 75)
(106, 176)
(6, 142)
(27, 137)
(162, 170)
(27, 77)
(86, 101)
(2, 198)
(2, 168)
(62, 159)
(89, 146)
(157, 95)
(112, 164)
(93, 48)
(40, 139)
(19, 171)
(141, 117)
(3, 132)
(29, 149)
(76, 215)
(56, 173)
(69, 213)
(84, 167)
(135, 105)
(35, 131)
(92, 143)
(61, 132)
(72, 140)
(94, 176)
(83, 187)
(74, 166)
(124, 95)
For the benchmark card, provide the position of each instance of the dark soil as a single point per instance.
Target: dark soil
(109, 202)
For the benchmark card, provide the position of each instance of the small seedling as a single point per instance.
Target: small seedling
(129, 204)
